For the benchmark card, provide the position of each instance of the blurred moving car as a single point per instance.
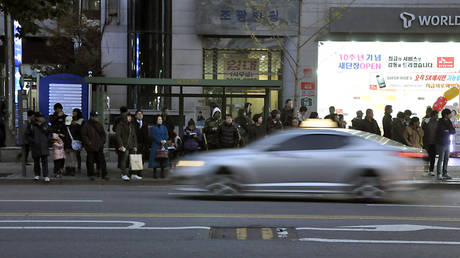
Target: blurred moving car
(304, 161)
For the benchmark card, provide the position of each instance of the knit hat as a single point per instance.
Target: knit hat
(216, 109)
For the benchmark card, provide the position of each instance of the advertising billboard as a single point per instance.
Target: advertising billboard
(356, 76)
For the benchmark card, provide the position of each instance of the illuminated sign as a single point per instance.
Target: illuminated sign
(407, 75)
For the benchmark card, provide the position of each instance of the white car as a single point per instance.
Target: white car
(305, 161)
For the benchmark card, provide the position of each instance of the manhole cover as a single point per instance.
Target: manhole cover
(253, 233)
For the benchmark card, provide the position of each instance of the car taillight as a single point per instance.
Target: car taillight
(412, 154)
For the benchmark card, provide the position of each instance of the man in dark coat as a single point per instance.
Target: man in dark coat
(257, 130)
(369, 124)
(386, 121)
(443, 132)
(228, 134)
(93, 136)
(57, 121)
(287, 113)
(356, 123)
(397, 128)
(332, 115)
(142, 133)
(27, 129)
(126, 143)
(429, 139)
(39, 137)
(274, 125)
(242, 123)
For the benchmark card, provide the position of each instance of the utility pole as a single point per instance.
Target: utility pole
(297, 61)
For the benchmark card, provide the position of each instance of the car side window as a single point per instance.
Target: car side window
(314, 142)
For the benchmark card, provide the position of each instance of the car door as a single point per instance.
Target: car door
(302, 162)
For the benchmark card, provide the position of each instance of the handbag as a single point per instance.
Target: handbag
(136, 162)
(161, 153)
(76, 144)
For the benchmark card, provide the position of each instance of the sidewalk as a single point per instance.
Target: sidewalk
(11, 173)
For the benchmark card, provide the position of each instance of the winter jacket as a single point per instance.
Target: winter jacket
(286, 116)
(58, 147)
(125, 134)
(386, 121)
(143, 138)
(93, 136)
(397, 130)
(169, 124)
(58, 123)
(356, 123)
(370, 126)
(415, 137)
(158, 134)
(211, 126)
(75, 129)
(274, 126)
(27, 131)
(256, 132)
(243, 124)
(228, 136)
(443, 132)
(191, 143)
(39, 138)
(429, 136)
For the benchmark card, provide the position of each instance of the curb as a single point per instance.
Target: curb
(30, 181)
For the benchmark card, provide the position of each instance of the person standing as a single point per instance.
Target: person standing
(126, 144)
(429, 139)
(332, 115)
(142, 133)
(38, 138)
(386, 121)
(407, 115)
(427, 117)
(413, 134)
(356, 123)
(210, 128)
(443, 132)
(192, 138)
(369, 124)
(287, 113)
(257, 130)
(93, 136)
(159, 134)
(73, 132)
(242, 123)
(229, 136)
(397, 128)
(302, 116)
(77, 125)
(274, 125)
(57, 120)
(58, 155)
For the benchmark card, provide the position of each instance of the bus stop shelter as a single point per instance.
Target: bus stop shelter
(225, 90)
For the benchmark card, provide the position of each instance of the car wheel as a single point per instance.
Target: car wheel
(368, 187)
(222, 185)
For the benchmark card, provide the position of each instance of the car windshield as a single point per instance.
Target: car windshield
(376, 138)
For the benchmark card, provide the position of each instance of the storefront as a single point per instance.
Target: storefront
(372, 57)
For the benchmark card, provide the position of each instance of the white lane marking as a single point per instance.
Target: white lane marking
(98, 201)
(381, 228)
(327, 240)
(413, 205)
(135, 225)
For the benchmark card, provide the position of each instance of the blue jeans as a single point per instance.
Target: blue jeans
(443, 152)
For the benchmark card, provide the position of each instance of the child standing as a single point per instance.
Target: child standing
(58, 155)
(38, 137)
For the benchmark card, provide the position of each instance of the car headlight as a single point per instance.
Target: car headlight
(190, 163)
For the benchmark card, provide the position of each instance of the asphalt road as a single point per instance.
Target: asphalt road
(146, 221)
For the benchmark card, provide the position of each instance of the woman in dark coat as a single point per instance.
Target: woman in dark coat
(192, 138)
(39, 138)
(159, 134)
(77, 125)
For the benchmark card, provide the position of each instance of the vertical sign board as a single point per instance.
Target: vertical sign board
(68, 89)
